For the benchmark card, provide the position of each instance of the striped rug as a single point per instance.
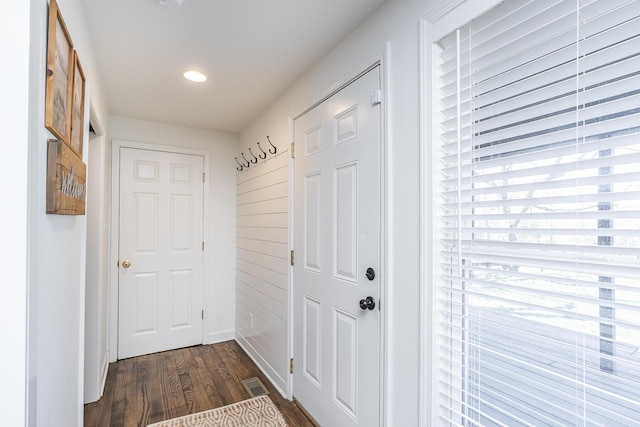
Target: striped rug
(256, 412)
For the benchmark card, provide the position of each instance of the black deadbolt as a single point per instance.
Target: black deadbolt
(370, 273)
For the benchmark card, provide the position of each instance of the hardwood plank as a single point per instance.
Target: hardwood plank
(190, 397)
(152, 388)
(91, 411)
(198, 355)
(130, 395)
(143, 407)
(119, 400)
(173, 402)
(155, 393)
(236, 368)
(230, 391)
(198, 386)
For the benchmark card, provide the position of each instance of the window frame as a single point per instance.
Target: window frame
(441, 20)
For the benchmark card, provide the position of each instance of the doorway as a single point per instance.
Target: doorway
(160, 247)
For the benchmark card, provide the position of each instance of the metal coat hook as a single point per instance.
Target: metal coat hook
(255, 159)
(261, 155)
(245, 159)
(241, 167)
(275, 150)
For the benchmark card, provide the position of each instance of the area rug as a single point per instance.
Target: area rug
(256, 412)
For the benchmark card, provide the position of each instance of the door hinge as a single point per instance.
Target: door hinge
(203, 174)
(292, 257)
(291, 366)
(293, 150)
(118, 263)
(203, 245)
(202, 314)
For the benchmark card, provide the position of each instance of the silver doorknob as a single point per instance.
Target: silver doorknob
(126, 264)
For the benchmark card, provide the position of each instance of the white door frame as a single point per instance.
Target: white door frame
(116, 144)
(378, 58)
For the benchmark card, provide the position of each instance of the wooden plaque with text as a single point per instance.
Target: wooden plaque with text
(66, 180)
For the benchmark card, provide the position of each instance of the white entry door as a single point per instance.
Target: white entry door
(160, 253)
(336, 241)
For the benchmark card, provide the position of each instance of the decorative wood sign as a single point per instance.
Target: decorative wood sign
(65, 90)
(60, 72)
(66, 180)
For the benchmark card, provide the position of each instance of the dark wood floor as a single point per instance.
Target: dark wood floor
(147, 389)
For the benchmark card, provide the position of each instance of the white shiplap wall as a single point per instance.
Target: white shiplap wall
(262, 264)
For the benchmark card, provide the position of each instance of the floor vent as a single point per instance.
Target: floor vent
(255, 387)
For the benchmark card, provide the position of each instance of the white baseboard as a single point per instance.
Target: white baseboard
(94, 392)
(217, 337)
(262, 364)
(104, 371)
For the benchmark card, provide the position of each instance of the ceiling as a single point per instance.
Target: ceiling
(251, 51)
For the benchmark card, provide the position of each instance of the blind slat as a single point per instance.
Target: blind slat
(555, 105)
(542, 293)
(627, 141)
(619, 232)
(482, 185)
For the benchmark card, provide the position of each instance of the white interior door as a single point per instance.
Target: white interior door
(160, 253)
(337, 239)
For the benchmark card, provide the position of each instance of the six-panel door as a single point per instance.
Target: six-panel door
(336, 239)
(161, 234)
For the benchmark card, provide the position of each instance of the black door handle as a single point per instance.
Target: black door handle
(368, 304)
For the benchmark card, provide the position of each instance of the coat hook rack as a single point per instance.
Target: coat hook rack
(263, 155)
(275, 150)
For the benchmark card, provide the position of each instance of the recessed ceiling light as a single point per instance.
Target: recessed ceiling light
(195, 76)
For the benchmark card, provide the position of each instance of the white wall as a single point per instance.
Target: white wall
(397, 23)
(56, 247)
(220, 317)
(262, 250)
(14, 119)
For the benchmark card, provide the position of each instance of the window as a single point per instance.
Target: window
(537, 304)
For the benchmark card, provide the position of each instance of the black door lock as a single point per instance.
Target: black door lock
(371, 274)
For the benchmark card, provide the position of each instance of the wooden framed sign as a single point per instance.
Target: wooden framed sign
(66, 180)
(59, 89)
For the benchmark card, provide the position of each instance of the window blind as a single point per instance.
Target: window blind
(538, 302)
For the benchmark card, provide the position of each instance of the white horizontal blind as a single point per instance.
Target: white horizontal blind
(539, 297)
